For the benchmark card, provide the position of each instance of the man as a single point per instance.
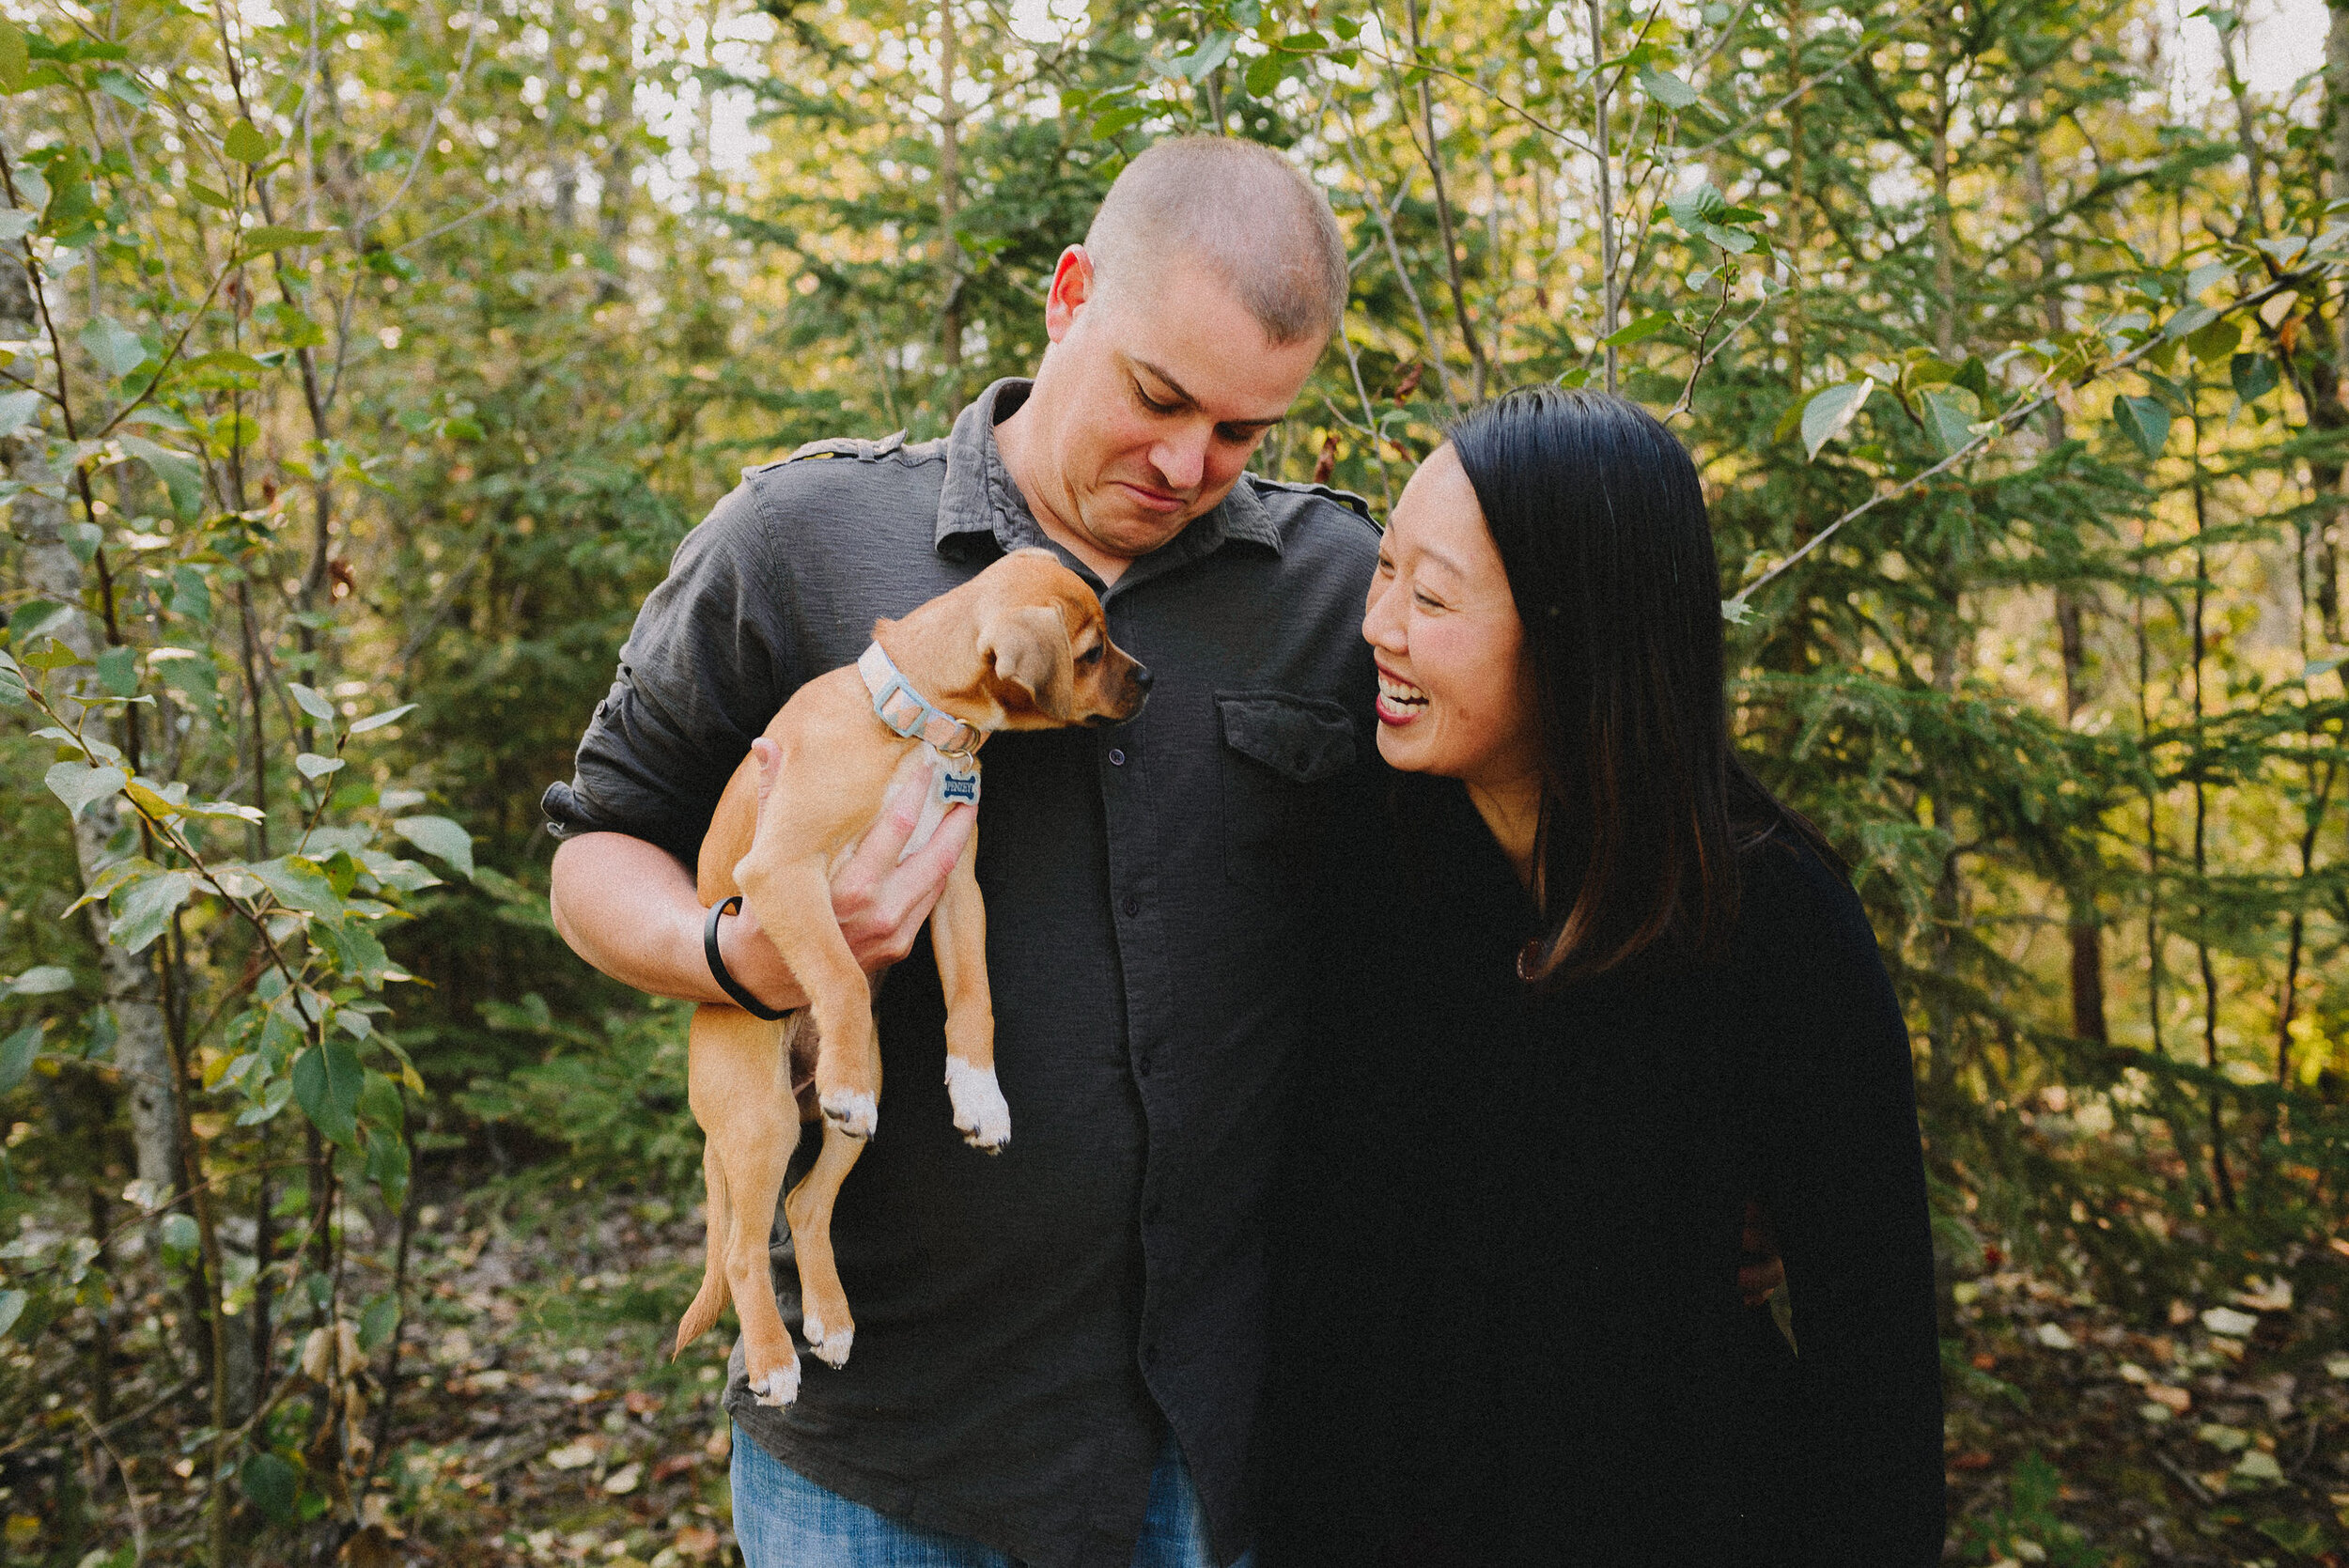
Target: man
(1058, 1352)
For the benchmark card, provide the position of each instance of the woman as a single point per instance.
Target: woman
(1603, 993)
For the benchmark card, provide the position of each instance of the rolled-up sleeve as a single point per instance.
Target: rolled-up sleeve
(709, 661)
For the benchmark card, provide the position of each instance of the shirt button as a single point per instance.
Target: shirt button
(1133, 905)
(1117, 758)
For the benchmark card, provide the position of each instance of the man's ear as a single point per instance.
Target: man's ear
(1071, 291)
(1027, 647)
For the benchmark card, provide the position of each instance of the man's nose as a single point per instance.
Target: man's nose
(1181, 461)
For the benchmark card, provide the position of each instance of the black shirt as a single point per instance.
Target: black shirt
(1510, 1331)
(1023, 1321)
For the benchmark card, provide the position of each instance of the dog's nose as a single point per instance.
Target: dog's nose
(1141, 677)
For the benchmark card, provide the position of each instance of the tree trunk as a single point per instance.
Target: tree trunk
(134, 989)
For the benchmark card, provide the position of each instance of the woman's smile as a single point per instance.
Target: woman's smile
(1399, 701)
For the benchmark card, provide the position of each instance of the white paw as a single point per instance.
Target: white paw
(779, 1388)
(833, 1349)
(854, 1115)
(979, 1108)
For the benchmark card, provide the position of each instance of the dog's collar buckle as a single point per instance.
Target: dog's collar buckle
(897, 704)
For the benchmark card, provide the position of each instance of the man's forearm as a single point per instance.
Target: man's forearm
(630, 911)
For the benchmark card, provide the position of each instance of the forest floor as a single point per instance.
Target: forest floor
(537, 1421)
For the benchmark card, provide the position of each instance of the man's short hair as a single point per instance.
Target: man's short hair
(1242, 208)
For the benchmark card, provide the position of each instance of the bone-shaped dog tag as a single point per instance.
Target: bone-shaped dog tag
(954, 782)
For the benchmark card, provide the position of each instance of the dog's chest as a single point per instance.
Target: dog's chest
(947, 782)
(954, 782)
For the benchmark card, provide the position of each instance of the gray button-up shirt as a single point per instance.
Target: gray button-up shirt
(1024, 1323)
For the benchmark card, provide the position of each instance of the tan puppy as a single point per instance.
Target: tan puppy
(1020, 646)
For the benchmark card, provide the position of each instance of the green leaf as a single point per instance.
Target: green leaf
(192, 597)
(180, 1232)
(1117, 121)
(1665, 88)
(48, 980)
(2144, 421)
(246, 143)
(312, 766)
(1646, 327)
(16, 1060)
(2216, 341)
(2253, 375)
(379, 1105)
(1265, 73)
(118, 672)
(36, 618)
(14, 61)
(2300, 1537)
(1949, 413)
(12, 1307)
(17, 410)
(181, 476)
(123, 87)
(1829, 413)
(118, 350)
(143, 905)
(299, 885)
(205, 194)
(438, 835)
(272, 1484)
(1209, 54)
(311, 702)
(78, 785)
(376, 721)
(2185, 323)
(1695, 206)
(377, 1321)
(326, 1081)
(276, 237)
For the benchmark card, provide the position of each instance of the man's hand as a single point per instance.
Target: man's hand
(630, 909)
(880, 902)
(1760, 1270)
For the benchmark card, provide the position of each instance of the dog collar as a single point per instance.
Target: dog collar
(897, 704)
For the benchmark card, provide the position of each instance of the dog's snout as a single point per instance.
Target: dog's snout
(1141, 677)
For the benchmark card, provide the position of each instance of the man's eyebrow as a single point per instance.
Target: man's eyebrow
(1184, 396)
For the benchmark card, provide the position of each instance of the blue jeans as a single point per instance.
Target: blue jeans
(784, 1520)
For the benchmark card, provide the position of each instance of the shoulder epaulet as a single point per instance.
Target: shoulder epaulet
(1346, 499)
(837, 446)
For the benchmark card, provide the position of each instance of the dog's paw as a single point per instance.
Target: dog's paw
(833, 1349)
(980, 1113)
(779, 1388)
(852, 1113)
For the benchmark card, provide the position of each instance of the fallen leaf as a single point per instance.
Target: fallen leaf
(620, 1483)
(697, 1540)
(2054, 1338)
(2227, 1321)
(721, 1443)
(573, 1456)
(2265, 1296)
(2176, 1401)
(642, 1402)
(1983, 1360)
(1974, 1459)
(676, 1465)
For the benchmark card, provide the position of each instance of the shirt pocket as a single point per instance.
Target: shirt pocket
(1277, 746)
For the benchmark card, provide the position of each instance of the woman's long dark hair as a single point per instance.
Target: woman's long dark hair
(1599, 519)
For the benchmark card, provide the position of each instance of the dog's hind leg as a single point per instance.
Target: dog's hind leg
(711, 1298)
(738, 1078)
(824, 1315)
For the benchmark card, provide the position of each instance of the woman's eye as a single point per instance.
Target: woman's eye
(1430, 600)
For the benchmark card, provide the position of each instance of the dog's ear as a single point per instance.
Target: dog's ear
(1027, 647)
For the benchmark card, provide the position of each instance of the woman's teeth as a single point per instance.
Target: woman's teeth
(1401, 693)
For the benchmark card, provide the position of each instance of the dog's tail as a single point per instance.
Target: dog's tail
(711, 1298)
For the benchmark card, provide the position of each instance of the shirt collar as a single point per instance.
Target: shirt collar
(981, 497)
